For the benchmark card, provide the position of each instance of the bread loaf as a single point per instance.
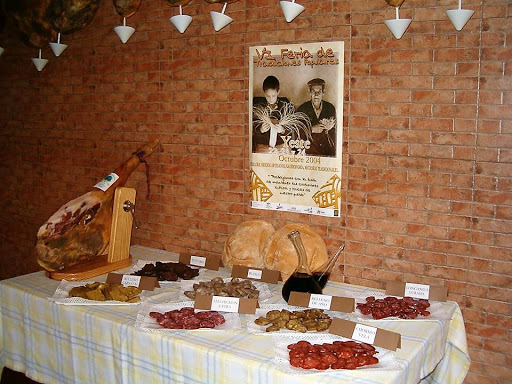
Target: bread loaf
(280, 253)
(244, 246)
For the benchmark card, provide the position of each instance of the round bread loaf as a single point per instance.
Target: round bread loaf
(280, 253)
(244, 246)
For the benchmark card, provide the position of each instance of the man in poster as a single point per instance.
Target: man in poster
(322, 115)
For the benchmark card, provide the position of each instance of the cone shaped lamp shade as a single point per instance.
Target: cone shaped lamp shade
(219, 19)
(1, 51)
(39, 62)
(124, 32)
(57, 47)
(181, 21)
(459, 17)
(397, 26)
(291, 10)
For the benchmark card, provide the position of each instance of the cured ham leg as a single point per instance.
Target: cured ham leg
(80, 230)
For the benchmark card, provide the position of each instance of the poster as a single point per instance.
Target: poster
(296, 127)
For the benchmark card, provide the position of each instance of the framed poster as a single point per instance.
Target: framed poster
(296, 127)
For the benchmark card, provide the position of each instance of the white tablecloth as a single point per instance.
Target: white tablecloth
(54, 343)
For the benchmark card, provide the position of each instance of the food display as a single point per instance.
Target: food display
(245, 245)
(167, 271)
(188, 318)
(390, 306)
(106, 291)
(300, 321)
(336, 355)
(241, 288)
(80, 230)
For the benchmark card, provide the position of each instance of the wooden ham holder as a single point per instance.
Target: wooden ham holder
(119, 248)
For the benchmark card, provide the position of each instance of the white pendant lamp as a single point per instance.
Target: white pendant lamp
(181, 21)
(39, 62)
(124, 32)
(291, 10)
(397, 26)
(57, 47)
(219, 19)
(459, 17)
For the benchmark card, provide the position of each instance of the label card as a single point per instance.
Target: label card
(198, 261)
(417, 291)
(254, 274)
(209, 262)
(320, 301)
(226, 304)
(266, 275)
(336, 303)
(364, 333)
(147, 283)
(130, 280)
(107, 182)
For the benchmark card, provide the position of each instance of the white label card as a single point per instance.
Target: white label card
(254, 274)
(198, 261)
(107, 182)
(127, 280)
(364, 333)
(417, 291)
(225, 304)
(320, 301)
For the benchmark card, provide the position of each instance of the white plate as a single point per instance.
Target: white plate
(261, 329)
(282, 357)
(187, 285)
(61, 295)
(141, 263)
(146, 323)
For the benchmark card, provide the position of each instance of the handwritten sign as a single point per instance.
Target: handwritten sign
(320, 301)
(254, 274)
(364, 333)
(129, 280)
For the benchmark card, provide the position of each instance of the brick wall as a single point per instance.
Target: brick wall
(427, 173)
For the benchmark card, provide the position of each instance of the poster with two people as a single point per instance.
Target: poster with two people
(296, 127)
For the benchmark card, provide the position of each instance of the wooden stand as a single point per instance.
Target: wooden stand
(119, 248)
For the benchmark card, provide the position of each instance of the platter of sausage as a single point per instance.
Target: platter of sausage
(306, 354)
(176, 316)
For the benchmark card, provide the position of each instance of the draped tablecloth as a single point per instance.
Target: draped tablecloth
(54, 343)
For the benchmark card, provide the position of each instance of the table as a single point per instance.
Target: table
(54, 343)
